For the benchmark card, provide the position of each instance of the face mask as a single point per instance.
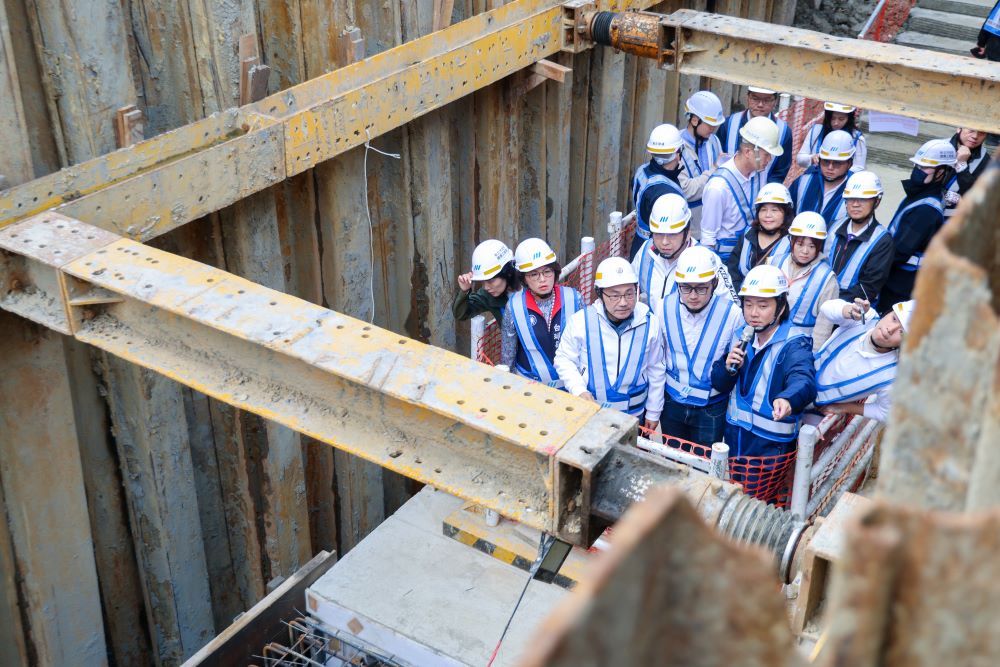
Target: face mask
(918, 177)
(663, 161)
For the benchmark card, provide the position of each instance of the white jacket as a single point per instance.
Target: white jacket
(571, 355)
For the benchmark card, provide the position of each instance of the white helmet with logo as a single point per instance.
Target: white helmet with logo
(773, 193)
(664, 140)
(706, 105)
(840, 108)
(763, 133)
(765, 280)
(904, 311)
(762, 91)
(809, 223)
(696, 264)
(863, 185)
(489, 258)
(670, 214)
(935, 153)
(615, 271)
(838, 146)
(533, 254)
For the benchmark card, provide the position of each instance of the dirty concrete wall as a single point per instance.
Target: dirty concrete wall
(242, 500)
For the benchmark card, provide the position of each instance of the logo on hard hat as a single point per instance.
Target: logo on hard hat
(537, 255)
(476, 267)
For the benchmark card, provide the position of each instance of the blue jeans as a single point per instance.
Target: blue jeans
(701, 424)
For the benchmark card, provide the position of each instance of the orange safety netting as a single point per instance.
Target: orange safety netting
(767, 478)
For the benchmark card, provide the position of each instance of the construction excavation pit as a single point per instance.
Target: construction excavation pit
(539, 332)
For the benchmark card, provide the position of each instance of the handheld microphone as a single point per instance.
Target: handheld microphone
(745, 339)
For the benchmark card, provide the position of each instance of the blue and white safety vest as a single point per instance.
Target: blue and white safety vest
(707, 154)
(534, 360)
(848, 275)
(628, 392)
(737, 121)
(781, 249)
(641, 182)
(689, 372)
(916, 259)
(855, 387)
(754, 412)
(992, 24)
(809, 191)
(804, 310)
(815, 138)
(725, 246)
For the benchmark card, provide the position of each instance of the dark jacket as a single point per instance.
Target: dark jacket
(967, 178)
(913, 234)
(469, 304)
(756, 255)
(874, 271)
(989, 41)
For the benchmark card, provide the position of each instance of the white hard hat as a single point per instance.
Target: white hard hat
(808, 223)
(764, 133)
(615, 271)
(664, 140)
(773, 193)
(533, 254)
(706, 105)
(764, 280)
(762, 91)
(838, 145)
(670, 214)
(841, 108)
(904, 311)
(696, 264)
(935, 153)
(863, 185)
(489, 258)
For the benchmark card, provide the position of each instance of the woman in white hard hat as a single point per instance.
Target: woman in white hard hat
(493, 266)
(860, 249)
(536, 317)
(699, 325)
(859, 360)
(612, 351)
(701, 152)
(659, 176)
(919, 217)
(811, 281)
(835, 117)
(770, 376)
(767, 236)
(760, 104)
(821, 188)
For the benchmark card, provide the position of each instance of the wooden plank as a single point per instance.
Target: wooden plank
(17, 167)
(13, 650)
(558, 124)
(604, 132)
(244, 639)
(43, 487)
(551, 70)
(151, 432)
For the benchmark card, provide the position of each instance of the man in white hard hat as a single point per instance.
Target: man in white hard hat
(612, 351)
(859, 360)
(821, 188)
(727, 201)
(972, 158)
(835, 117)
(760, 104)
(654, 264)
(860, 249)
(771, 380)
(656, 178)
(919, 217)
(700, 324)
(536, 317)
(811, 281)
(702, 151)
(493, 266)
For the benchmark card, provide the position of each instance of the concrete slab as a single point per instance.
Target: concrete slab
(980, 8)
(945, 24)
(428, 599)
(919, 40)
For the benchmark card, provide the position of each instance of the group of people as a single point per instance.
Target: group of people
(745, 306)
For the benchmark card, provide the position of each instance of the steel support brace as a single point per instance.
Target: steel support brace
(522, 449)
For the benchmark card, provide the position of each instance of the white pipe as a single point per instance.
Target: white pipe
(587, 246)
(478, 331)
(831, 482)
(838, 444)
(674, 454)
(808, 437)
(718, 466)
(871, 19)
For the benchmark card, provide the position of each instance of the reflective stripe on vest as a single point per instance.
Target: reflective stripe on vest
(781, 248)
(541, 369)
(803, 312)
(628, 392)
(689, 377)
(855, 387)
(849, 274)
(810, 193)
(755, 414)
(816, 141)
(640, 183)
(647, 268)
(707, 154)
(992, 24)
(725, 246)
(914, 261)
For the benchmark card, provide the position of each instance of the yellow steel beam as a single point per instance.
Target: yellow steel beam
(518, 447)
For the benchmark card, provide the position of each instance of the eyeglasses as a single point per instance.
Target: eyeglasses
(544, 272)
(625, 296)
(700, 290)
